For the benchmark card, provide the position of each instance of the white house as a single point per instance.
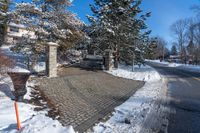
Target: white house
(15, 32)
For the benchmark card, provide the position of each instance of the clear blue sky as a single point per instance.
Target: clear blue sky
(164, 13)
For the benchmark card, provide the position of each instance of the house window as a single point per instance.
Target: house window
(14, 29)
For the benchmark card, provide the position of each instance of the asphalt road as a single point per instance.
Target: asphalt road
(184, 99)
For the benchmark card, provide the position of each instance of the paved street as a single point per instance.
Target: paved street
(84, 97)
(184, 99)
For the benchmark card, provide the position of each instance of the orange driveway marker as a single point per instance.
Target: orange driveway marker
(17, 115)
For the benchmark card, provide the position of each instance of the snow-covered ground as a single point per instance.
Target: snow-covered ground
(139, 106)
(134, 111)
(31, 121)
(21, 59)
(188, 67)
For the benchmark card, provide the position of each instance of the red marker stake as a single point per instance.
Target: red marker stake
(17, 115)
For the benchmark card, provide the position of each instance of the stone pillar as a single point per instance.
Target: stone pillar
(19, 80)
(108, 59)
(51, 60)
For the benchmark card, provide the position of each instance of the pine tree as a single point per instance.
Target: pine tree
(49, 18)
(174, 50)
(4, 8)
(51, 21)
(116, 25)
(150, 49)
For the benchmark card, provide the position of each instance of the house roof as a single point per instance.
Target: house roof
(17, 25)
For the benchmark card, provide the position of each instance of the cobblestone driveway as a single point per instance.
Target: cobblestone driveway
(84, 97)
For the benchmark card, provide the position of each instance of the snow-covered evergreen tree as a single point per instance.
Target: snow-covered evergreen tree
(51, 21)
(116, 25)
(4, 8)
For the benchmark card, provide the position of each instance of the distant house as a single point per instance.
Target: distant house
(175, 58)
(15, 32)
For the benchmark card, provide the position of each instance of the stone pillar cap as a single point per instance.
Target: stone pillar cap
(52, 44)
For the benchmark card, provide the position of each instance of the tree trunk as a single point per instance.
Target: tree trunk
(116, 63)
(116, 58)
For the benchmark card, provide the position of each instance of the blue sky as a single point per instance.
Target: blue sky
(164, 13)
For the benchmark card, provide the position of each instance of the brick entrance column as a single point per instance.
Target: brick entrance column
(51, 60)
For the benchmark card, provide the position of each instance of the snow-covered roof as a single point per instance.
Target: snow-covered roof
(174, 56)
(16, 25)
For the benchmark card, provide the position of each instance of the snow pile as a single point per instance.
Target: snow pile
(130, 116)
(165, 63)
(144, 73)
(40, 66)
(31, 121)
(188, 67)
(174, 65)
(158, 61)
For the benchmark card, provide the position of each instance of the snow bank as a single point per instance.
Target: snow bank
(165, 63)
(145, 73)
(158, 61)
(188, 67)
(136, 108)
(31, 121)
(40, 66)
